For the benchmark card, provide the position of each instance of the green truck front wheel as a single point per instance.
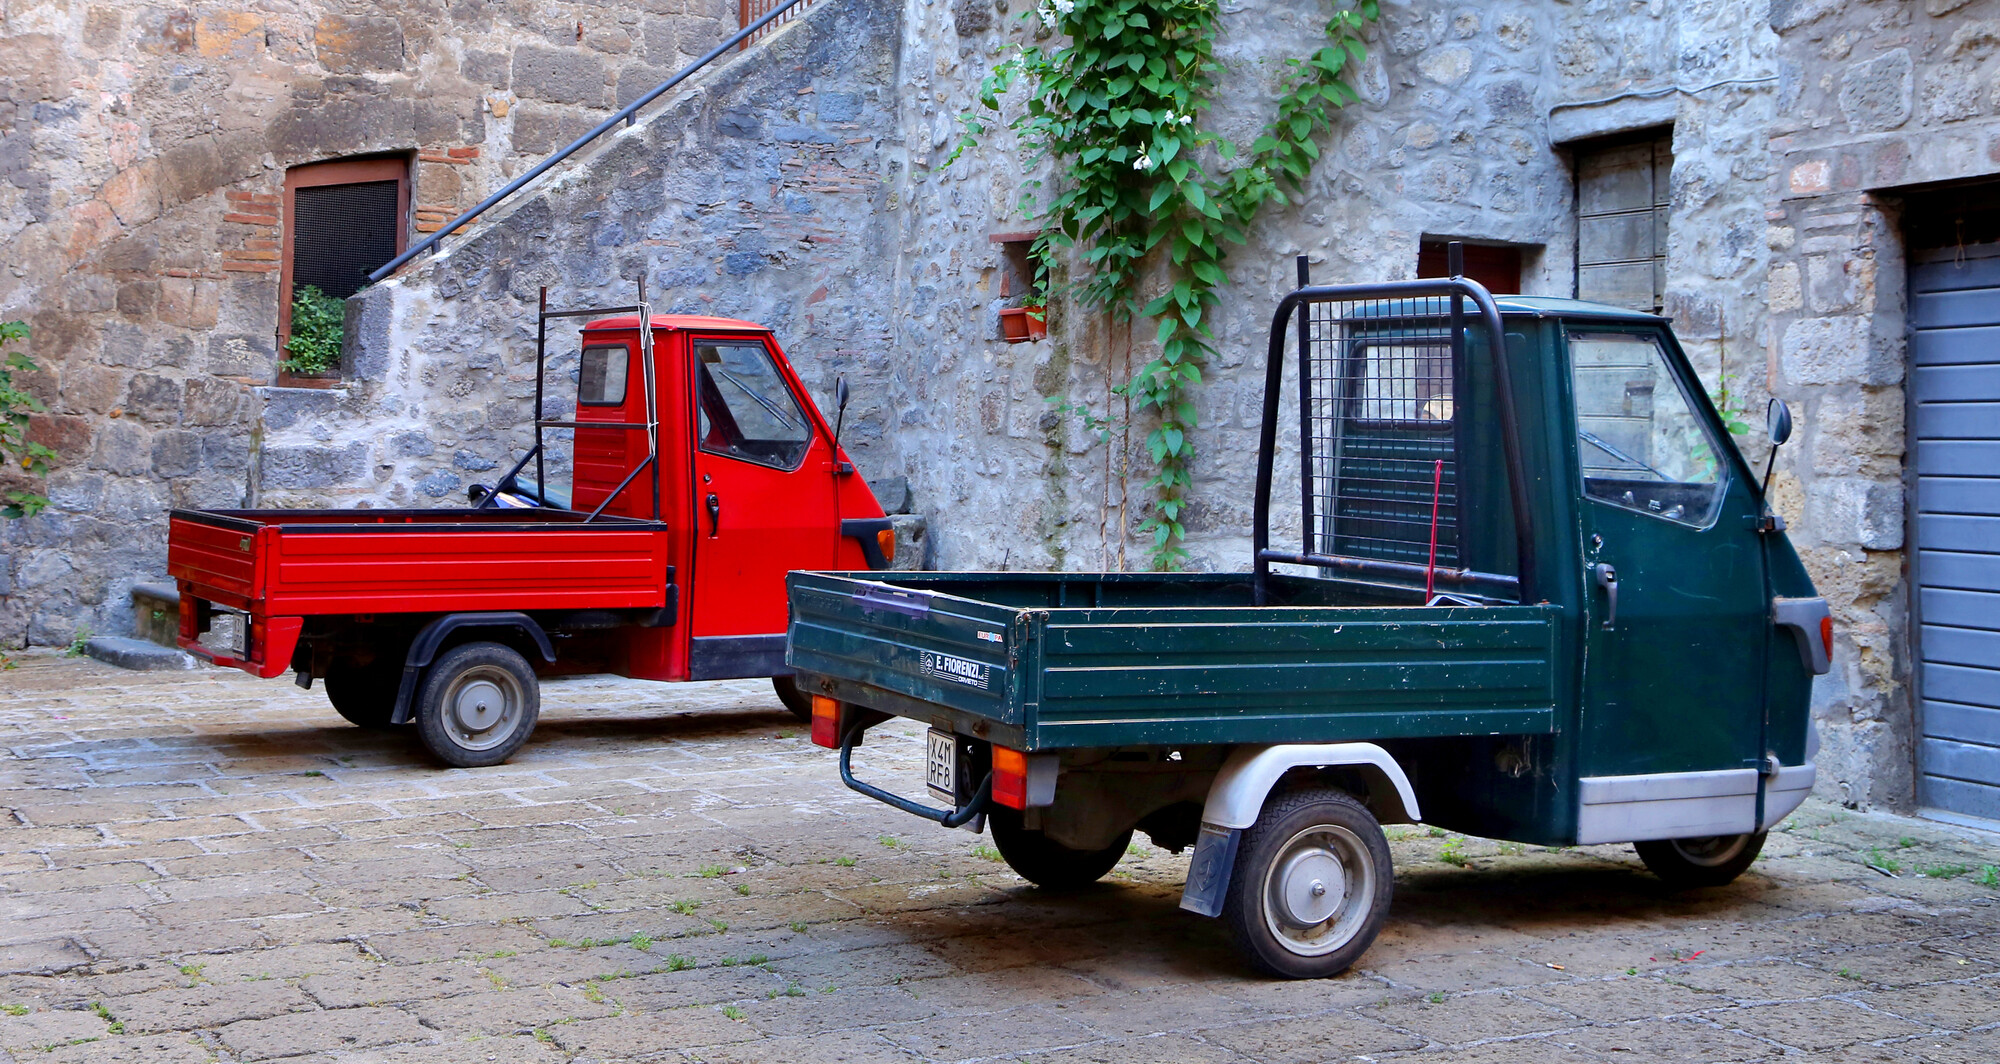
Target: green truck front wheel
(1311, 884)
(1711, 861)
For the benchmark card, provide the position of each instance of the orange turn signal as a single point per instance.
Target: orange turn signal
(1010, 778)
(1826, 636)
(886, 539)
(826, 722)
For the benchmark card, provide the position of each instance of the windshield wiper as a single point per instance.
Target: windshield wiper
(1594, 441)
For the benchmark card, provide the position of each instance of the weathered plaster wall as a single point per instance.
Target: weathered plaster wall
(143, 150)
(763, 194)
(1877, 96)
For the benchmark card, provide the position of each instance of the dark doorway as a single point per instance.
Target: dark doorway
(1497, 266)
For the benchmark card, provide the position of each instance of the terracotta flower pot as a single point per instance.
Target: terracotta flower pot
(1038, 325)
(1014, 327)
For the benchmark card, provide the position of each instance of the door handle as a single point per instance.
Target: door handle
(714, 515)
(1607, 578)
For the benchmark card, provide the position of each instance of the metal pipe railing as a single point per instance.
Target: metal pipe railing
(625, 114)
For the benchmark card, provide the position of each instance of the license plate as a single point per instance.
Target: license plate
(941, 768)
(228, 635)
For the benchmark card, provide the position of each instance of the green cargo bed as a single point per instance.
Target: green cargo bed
(1046, 661)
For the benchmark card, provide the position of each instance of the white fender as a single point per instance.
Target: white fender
(1246, 779)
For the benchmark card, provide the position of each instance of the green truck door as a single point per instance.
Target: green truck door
(1672, 675)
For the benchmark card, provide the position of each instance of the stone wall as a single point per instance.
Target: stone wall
(1454, 137)
(143, 150)
(1877, 97)
(763, 192)
(806, 187)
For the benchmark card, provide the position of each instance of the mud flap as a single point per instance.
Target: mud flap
(1209, 868)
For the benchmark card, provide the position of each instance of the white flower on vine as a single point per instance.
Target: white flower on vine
(1144, 162)
(1052, 11)
(1185, 119)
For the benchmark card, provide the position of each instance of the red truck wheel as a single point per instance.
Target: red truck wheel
(476, 705)
(797, 701)
(364, 694)
(1311, 885)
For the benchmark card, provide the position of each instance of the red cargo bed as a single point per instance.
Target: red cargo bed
(282, 565)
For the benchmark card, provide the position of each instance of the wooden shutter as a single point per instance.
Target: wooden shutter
(1621, 223)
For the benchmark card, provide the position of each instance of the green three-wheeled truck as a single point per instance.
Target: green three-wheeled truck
(1538, 596)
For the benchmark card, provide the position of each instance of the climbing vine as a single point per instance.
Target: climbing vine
(1116, 104)
(17, 407)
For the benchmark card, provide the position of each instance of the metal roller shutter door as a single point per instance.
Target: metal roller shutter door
(1955, 454)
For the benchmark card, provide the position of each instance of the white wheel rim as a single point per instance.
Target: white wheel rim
(1710, 851)
(482, 707)
(1319, 891)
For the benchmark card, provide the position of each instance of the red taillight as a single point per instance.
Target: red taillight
(1826, 636)
(1010, 778)
(826, 722)
(886, 539)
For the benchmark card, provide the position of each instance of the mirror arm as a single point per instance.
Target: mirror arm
(839, 420)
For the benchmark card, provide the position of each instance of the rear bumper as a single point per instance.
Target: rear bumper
(271, 643)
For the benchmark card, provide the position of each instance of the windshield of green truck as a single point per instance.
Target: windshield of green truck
(1641, 445)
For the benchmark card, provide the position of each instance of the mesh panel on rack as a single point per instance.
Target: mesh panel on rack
(1377, 420)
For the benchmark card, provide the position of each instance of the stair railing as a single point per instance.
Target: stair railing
(626, 115)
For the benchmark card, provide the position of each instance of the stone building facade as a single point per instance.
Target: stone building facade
(144, 149)
(1886, 155)
(806, 186)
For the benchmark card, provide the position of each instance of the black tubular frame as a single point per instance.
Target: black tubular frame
(651, 426)
(626, 114)
(1487, 317)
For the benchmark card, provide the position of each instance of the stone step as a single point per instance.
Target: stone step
(128, 653)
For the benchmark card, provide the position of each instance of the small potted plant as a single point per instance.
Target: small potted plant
(1029, 321)
(318, 327)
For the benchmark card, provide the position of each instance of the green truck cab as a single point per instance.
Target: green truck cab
(1537, 595)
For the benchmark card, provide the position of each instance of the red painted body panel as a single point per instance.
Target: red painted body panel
(283, 566)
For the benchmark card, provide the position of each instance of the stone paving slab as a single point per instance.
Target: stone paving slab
(202, 866)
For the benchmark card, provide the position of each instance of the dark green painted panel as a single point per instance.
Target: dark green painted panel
(1359, 725)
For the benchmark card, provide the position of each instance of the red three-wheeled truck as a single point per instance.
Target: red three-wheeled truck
(702, 473)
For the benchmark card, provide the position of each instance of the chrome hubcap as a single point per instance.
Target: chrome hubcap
(482, 707)
(1711, 850)
(1318, 892)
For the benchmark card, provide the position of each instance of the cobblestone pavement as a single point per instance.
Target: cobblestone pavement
(202, 866)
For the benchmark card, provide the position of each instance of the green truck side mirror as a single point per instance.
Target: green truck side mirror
(1778, 421)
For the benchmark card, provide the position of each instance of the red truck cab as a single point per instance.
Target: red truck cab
(701, 474)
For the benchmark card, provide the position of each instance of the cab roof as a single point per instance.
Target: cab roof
(1392, 311)
(1553, 307)
(671, 322)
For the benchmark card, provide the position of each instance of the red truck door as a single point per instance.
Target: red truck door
(763, 495)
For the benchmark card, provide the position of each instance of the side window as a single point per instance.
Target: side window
(745, 410)
(600, 379)
(1642, 447)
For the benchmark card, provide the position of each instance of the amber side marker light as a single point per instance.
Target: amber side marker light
(886, 539)
(826, 722)
(1010, 778)
(1826, 636)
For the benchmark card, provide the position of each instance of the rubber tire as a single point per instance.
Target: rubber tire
(1243, 909)
(1680, 871)
(438, 680)
(798, 702)
(364, 694)
(1048, 864)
